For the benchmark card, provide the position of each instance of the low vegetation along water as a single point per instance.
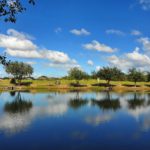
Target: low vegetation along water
(74, 120)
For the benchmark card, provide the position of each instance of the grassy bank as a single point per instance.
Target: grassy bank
(65, 85)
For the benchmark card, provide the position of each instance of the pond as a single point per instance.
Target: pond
(74, 121)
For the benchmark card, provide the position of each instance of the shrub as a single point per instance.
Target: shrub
(13, 81)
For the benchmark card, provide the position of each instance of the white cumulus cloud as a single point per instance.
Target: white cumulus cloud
(98, 68)
(18, 44)
(90, 62)
(16, 41)
(136, 33)
(145, 41)
(95, 45)
(129, 60)
(145, 4)
(80, 32)
(67, 66)
(114, 31)
(58, 30)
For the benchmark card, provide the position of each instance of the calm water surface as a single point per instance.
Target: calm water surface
(74, 121)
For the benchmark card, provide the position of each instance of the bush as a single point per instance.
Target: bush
(13, 81)
(77, 85)
(103, 85)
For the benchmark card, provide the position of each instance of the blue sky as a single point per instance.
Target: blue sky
(55, 35)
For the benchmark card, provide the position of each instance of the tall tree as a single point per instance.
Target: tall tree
(10, 8)
(148, 77)
(77, 74)
(19, 70)
(135, 75)
(108, 74)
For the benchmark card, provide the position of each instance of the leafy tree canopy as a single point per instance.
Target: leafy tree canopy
(10, 8)
(108, 74)
(148, 77)
(135, 75)
(19, 70)
(77, 74)
(3, 60)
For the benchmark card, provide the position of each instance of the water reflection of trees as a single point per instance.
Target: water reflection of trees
(12, 93)
(107, 103)
(136, 101)
(21, 114)
(18, 105)
(77, 102)
(148, 95)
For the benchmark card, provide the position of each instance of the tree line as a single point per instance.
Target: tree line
(20, 70)
(110, 74)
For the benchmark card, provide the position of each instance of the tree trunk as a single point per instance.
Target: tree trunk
(77, 82)
(135, 83)
(18, 97)
(19, 81)
(108, 96)
(108, 83)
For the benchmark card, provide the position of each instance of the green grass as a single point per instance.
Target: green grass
(49, 84)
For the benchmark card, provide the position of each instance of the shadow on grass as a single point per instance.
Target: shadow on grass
(131, 85)
(24, 83)
(77, 85)
(103, 85)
